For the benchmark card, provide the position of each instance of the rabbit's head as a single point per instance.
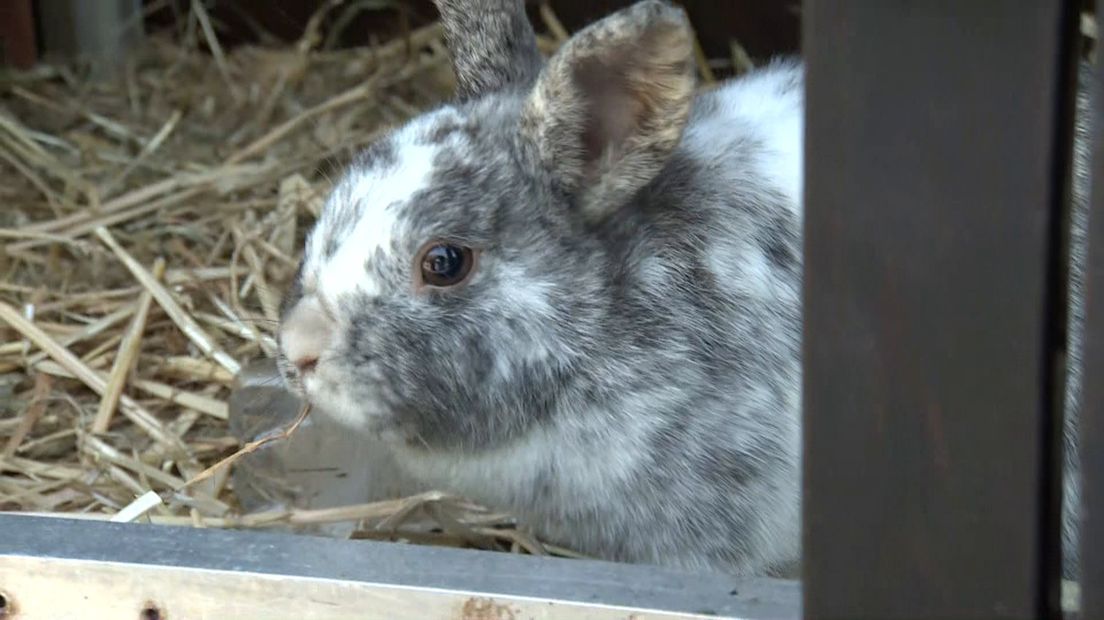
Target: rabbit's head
(458, 278)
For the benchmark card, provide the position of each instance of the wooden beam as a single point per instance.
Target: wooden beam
(937, 146)
(60, 568)
(17, 34)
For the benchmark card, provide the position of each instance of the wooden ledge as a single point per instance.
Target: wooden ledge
(70, 568)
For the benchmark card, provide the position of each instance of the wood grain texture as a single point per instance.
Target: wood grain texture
(62, 568)
(56, 589)
(931, 298)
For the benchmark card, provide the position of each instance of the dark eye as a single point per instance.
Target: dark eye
(445, 264)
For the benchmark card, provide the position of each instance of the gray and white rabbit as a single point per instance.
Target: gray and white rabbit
(573, 293)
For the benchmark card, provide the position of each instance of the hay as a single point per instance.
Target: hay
(149, 222)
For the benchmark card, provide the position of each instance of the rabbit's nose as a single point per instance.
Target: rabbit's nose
(305, 334)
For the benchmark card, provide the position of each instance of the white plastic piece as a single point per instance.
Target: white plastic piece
(137, 508)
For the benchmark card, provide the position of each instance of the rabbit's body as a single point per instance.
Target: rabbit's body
(574, 293)
(675, 436)
(622, 369)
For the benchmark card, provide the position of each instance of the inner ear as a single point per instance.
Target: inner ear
(633, 96)
(612, 109)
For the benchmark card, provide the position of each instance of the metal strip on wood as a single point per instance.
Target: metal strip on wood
(58, 568)
(1092, 409)
(936, 155)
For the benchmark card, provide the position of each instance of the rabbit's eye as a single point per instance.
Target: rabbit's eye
(445, 265)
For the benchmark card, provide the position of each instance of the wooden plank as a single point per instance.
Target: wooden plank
(1092, 411)
(937, 142)
(55, 589)
(70, 568)
(17, 34)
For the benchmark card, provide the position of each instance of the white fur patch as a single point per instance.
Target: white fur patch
(361, 219)
(743, 268)
(371, 200)
(573, 448)
(762, 106)
(654, 273)
(528, 297)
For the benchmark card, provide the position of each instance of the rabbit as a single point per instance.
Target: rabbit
(572, 292)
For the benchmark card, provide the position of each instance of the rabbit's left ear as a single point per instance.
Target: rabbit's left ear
(612, 103)
(491, 43)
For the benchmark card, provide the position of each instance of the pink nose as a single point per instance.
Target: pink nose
(305, 334)
(305, 364)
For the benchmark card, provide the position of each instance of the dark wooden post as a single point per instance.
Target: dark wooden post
(17, 34)
(938, 139)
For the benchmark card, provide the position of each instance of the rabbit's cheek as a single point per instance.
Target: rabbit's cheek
(351, 393)
(330, 397)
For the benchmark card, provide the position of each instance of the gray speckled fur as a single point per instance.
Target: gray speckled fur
(492, 45)
(1084, 135)
(623, 369)
(609, 374)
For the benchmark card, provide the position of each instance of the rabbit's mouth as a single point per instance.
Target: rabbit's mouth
(291, 379)
(351, 402)
(332, 389)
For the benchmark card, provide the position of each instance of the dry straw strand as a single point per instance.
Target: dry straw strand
(249, 448)
(125, 358)
(203, 404)
(552, 22)
(30, 415)
(89, 377)
(165, 299)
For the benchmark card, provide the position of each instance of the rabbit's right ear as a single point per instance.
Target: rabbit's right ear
(491, 43)
(608, 111)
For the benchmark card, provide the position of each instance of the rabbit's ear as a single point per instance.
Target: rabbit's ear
(611, 104)
(491, 43)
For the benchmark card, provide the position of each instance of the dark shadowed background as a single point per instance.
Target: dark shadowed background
(763, 28)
